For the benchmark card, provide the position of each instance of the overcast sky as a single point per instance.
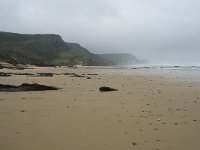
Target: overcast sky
(162, 31)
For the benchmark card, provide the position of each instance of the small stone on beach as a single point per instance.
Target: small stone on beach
(134, 143)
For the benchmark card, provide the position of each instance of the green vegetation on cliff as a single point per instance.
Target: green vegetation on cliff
(49, 49)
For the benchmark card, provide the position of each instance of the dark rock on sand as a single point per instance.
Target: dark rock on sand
(90, 74)
(2, 74)
(1, 67)
(73, 75)
(77, 75)
(25, 87)
(24, 74)
(106, 89)
(45, 74)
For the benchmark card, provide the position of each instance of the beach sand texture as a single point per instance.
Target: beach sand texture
(146, 113)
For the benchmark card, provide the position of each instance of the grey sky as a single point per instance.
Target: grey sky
(162, 31)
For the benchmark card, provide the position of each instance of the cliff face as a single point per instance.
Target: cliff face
(30, 49)
(50, 49)
(45, 49)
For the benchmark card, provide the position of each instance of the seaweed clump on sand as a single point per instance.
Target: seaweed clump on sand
(25, 87)
(107, 89)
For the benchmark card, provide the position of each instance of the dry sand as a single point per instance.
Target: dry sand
(147, 113)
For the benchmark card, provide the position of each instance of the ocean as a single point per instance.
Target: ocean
(184, 72)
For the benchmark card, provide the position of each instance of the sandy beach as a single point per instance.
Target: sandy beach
(146, 113)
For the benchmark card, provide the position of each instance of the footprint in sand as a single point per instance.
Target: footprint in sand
(155, 129)
(170, 100)
(18, 132)
(158, 140)
(141, 130)
(119, 121)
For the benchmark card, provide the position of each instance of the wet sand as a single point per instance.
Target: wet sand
(147, 113)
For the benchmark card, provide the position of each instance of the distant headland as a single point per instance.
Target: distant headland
(52, 50)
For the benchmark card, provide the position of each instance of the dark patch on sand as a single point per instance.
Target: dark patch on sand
(25, 87)
(107, 89)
